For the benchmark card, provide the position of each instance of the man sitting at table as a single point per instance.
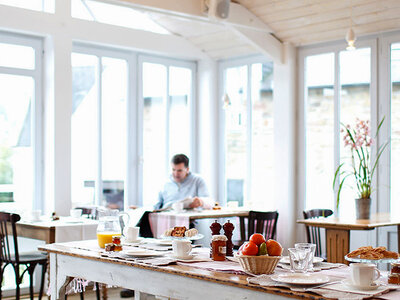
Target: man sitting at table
(183, 186)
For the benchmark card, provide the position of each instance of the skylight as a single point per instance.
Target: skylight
(114, 15)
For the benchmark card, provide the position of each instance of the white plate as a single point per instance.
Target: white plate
(163, 242)
(141, 253)
(300, 278)
(286, 260)
(371, 287)
(192, 238)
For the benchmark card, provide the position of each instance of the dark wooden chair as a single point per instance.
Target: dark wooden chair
(314, 233)
(89, 212)
(10, 255)
(258, 222)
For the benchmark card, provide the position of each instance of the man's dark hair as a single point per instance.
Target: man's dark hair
(180, 158)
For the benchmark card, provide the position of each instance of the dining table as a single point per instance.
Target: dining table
(164, 276)
(338, 231)
(161, 221)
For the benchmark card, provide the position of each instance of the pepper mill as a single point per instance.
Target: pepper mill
(215, 229)
(228, 231)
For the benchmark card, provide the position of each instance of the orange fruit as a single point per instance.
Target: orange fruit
(249, 248)
(257, 238)
(274, 248)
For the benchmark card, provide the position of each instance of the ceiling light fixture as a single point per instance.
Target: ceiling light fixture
(350, 35)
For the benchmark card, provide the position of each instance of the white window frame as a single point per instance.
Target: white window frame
(335, 48)
(167, 62)
(223, 65)
(131, 175)
(37, 108)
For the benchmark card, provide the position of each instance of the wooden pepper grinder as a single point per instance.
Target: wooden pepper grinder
(228, 231)
(215, 229)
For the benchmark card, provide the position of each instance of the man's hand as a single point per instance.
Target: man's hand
(197, 202)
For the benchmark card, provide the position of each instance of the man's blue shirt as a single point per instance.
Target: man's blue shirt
(192, 186)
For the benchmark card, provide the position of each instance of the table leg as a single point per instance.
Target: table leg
(337, 245)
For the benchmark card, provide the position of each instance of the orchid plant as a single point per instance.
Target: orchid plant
(363, 167)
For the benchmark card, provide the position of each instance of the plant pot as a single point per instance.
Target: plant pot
(363, 208)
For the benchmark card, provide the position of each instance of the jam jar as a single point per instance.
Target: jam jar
(394, 276)
(218, 244)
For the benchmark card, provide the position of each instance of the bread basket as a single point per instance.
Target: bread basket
(262, 264)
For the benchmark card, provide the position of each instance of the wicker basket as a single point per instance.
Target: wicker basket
(262, 264)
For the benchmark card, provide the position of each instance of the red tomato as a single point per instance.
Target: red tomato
(250, 248)
(257, 238)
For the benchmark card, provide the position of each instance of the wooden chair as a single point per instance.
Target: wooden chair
(10, 255)
(258, 222)
(314, 233)
(89, 212)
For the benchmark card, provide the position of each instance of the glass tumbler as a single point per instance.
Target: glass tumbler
(299, 259)
(312, 248)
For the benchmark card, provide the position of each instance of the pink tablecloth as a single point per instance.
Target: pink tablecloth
(160, 222)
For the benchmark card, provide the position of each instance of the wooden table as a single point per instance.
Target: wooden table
(46, 230)
(175, 281)
(338, 232)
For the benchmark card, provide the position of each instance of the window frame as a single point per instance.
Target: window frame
(130, 58)
(193, 105)
(222, 66)
(37, 117)
(335, 48)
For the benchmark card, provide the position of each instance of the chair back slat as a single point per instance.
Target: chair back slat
(8, 233)
(313, 232)
(262, 222)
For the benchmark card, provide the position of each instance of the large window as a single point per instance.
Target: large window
(395, 127)
(99, 128)
(248, 135)
(337, 92)
(167, 123)
(20, 122)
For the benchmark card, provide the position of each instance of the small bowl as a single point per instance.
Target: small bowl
(262, 264)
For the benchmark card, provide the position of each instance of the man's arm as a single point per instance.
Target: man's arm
(160, 202)
(203, 196)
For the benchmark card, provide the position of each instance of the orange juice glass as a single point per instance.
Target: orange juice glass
(105, 238)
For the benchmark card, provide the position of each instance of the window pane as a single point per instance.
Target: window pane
(16, 56)
(180, 87)
(235, 134)
(39, 5)
(319, 78)
(16, 152)
(262, 178)
(154, 140)
(355, 103)
(395, 127)
(115, 15)
(84, 130)
(114, 130)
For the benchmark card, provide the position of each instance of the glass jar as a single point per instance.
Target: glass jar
(394, 276)
(218, 247)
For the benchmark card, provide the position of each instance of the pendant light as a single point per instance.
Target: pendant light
(350, 35)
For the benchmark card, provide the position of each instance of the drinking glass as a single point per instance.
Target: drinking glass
(299, 259)
(312, 249)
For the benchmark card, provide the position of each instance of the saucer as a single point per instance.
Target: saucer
(188, 257)
(139, 239)
(371, 287)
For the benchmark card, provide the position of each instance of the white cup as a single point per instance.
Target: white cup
(181, 248)
(75, 212)
(363, 275)
(35, 214)
(132, 233)
(177, 206)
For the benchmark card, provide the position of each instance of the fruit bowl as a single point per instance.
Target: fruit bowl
(262, 264)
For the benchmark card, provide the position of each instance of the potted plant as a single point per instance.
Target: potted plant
(362, 167)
